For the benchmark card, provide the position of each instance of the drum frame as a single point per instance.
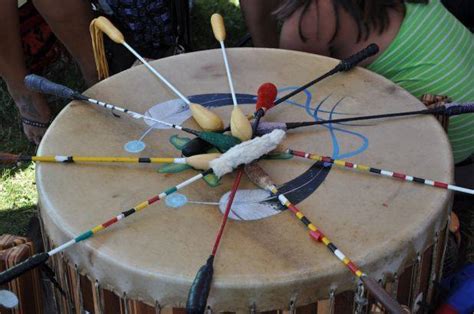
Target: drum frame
(86, 295)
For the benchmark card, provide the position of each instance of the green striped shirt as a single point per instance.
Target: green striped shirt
(433, 53)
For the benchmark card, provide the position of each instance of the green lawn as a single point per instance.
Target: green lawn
(18, 195)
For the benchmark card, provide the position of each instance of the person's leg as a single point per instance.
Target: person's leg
(13, 70)
(261, 23)
(70, 21)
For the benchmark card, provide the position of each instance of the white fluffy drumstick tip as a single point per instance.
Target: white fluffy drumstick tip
(246, 152)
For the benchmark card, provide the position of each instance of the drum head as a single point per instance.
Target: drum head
(154, 255)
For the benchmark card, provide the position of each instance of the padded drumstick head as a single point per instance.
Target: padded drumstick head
(201, 162)
(246, 152)
(218, 27)
(267, 127)
(207, 120)
(240, 125)
(266, 96)
(108, 28)
(42, 85)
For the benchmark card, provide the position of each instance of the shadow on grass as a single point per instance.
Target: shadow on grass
(15, 220)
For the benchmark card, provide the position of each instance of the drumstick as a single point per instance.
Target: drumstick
(451, 109)
(387, 173)
(258, 176)
(199, 291)
(239, 124)
(40, 84)
(266, 95)
(345, 65)
(197, 161)
(206, 119)
(243, 153)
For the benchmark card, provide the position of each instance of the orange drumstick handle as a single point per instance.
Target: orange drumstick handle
(108, 28)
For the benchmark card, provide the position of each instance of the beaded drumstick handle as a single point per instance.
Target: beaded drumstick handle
(196, 161)
(40, 84)
(258, 176)
(382, 172)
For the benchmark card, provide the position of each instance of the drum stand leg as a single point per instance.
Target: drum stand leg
(157, 308)
(253, 309)
(360, 300)
(78, 289)
(98, 298)
(415, 287)
(125, 304)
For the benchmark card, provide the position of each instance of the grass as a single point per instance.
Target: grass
(18, 196)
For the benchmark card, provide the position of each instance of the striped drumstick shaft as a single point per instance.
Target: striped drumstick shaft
(139, 207)
(197, 161)
(382, 172)
(258, 176)
(134, 114)
(100, 159)
(316, 233)
(41, 258)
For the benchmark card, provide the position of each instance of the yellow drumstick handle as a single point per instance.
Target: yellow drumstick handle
(206, 119)
(108, 28)
(201, 162)
(218, 27)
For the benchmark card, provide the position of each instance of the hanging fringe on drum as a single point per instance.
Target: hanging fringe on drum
(382, 172)
(259, 177)
(98, 48)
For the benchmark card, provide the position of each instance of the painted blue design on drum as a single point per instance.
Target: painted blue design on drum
(306, 183)
(176, 200)
(134, 146)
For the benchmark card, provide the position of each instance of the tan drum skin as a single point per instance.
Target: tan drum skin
(153, 256)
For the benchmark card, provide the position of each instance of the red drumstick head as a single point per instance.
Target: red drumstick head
(266, 96)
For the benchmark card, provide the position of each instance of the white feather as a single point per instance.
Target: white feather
(246, 152)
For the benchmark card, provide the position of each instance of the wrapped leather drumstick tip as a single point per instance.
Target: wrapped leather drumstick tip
(207, 120)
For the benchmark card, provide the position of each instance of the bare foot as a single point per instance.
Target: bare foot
(34, 107)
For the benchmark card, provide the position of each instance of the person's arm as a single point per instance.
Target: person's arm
(262, 25)
(31, 106)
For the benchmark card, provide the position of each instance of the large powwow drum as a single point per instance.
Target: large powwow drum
(392, 229)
